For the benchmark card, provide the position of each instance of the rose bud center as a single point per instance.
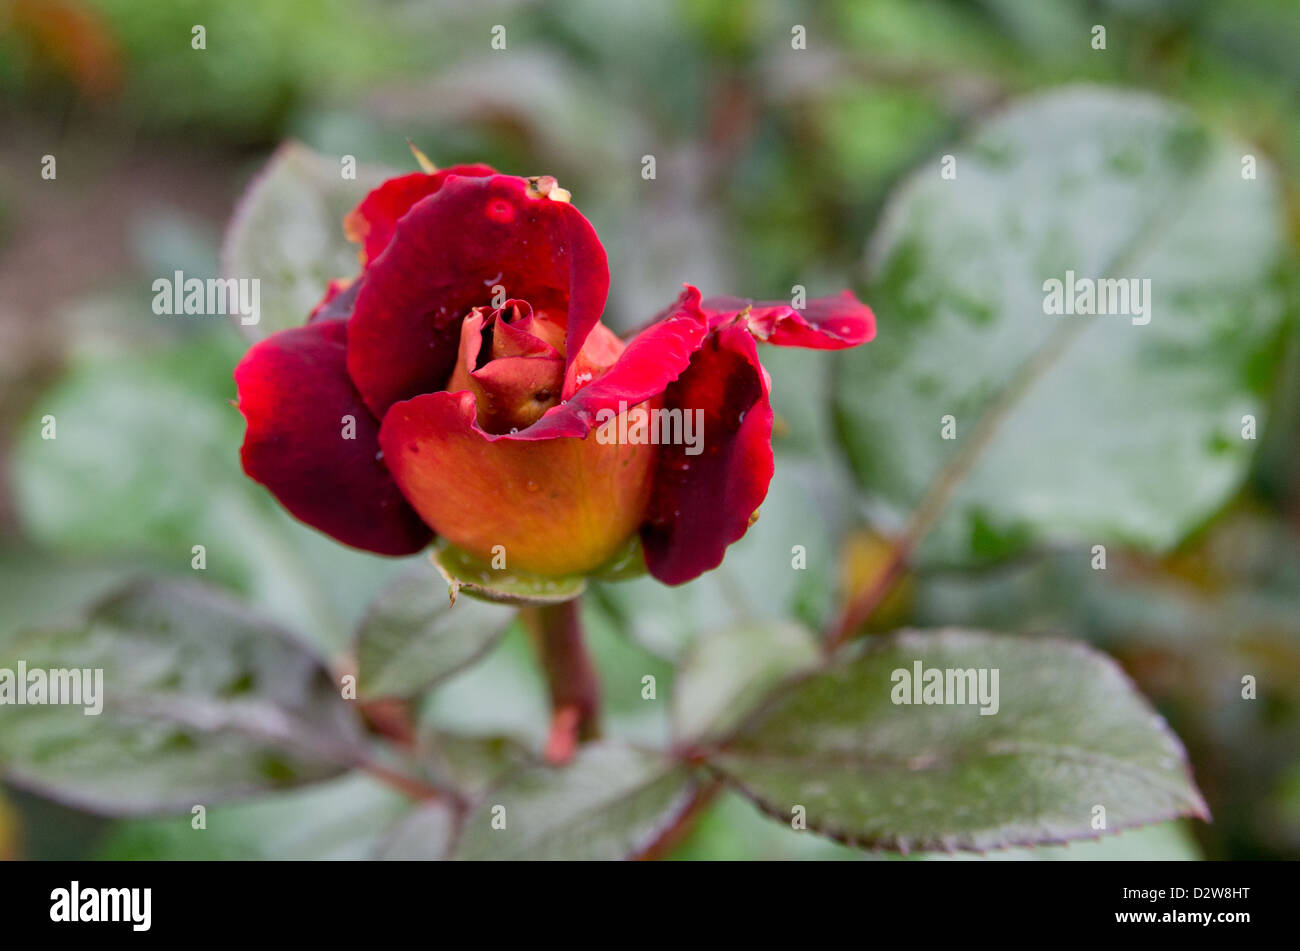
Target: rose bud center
(512, 360)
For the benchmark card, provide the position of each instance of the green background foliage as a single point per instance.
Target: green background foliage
(775, 167)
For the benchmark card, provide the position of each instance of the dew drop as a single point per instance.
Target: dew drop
(499, 210)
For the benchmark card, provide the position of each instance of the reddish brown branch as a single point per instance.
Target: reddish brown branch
(570, 676)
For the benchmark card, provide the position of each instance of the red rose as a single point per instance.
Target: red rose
(409, 404)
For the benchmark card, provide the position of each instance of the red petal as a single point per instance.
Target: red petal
(294, 392)
(447, 254)
(598, 355)
(340, 297)
(703, 503)
(372, 222)
(653, 359)
(557, 506)
(826, 323)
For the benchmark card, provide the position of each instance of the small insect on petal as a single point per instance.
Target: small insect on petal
(545, 186)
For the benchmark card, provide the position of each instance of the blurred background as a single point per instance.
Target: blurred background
(772, 167)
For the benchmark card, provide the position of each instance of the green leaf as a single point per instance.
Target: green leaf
(609, 803)
(135, 436)
(472, 764)
(1164, 842)
(145, 465)
(503, 695)
(732, 830)
(800, 523)
(1070, 733)
(348, 818)
(287, 232)
(412, 639)
(728, 673)
(1080, 428)
(425, 834)
(463, 572)
(44, 590)
(202, 701)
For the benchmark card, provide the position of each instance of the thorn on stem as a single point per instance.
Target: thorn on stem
(562, 743)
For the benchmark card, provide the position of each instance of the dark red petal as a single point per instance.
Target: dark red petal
(294, 392)
(340, 297)
(703, 503)
(448, 253)
(826, 323)
(653, 359)
(371, 223)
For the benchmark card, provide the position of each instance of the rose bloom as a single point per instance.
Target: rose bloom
(410, 406)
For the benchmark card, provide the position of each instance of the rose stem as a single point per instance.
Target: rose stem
(570, 675)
